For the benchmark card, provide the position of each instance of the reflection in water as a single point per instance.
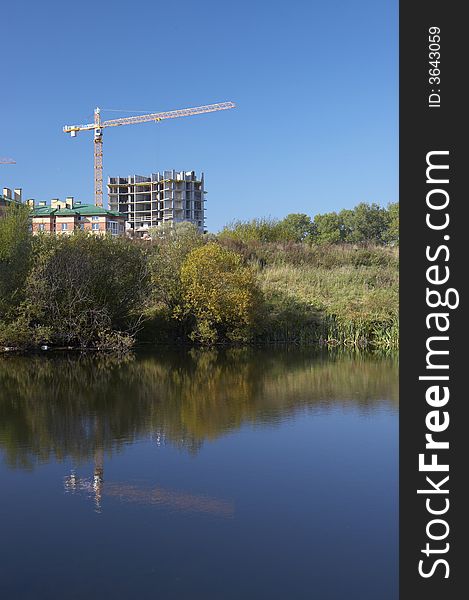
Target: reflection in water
(95, 488)
(71, 407)
(230, 474)
(175, 500)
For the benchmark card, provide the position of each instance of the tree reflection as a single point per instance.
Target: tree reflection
(69, 406)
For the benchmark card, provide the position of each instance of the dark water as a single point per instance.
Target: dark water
(238, 475)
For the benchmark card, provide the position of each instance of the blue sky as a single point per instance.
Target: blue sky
(315, 83)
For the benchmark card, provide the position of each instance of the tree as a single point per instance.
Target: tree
(221, 296)
(172, 246)
(329, 228)
(365, 223)
(296, 227)
(391, 235)
(15, 256)
(261, 230)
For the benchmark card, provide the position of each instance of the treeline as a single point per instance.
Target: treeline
(107, 293)
(366, 223)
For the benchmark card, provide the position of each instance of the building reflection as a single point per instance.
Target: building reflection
(95, 488)
(92, 487)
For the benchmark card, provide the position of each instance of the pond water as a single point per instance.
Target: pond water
(257, 474)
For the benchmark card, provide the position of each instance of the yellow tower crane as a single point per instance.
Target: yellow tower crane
(99, 125)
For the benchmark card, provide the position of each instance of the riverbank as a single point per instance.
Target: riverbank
(182, 287)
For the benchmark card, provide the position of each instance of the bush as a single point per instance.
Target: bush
(221, 297)
(86, 290)
(19, 334)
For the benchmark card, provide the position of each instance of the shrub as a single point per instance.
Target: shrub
(221, 297)
(86, 290)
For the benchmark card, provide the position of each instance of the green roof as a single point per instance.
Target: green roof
(43, 211)
(64, 212)
(90, 209)
(77, 210)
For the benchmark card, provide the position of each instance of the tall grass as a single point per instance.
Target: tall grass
(332, 296)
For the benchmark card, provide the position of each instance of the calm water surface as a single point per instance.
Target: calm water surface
(235, 475)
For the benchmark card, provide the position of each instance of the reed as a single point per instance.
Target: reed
(335, 304)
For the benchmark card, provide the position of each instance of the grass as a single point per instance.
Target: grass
(339, 295)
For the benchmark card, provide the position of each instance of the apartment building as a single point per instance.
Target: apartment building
(166, 197)
(65, 217)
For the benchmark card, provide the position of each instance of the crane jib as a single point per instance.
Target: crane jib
(172, 114)
(98, 126)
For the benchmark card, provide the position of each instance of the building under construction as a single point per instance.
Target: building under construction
(167, 197)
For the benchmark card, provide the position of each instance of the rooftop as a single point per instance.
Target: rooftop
(78, 210)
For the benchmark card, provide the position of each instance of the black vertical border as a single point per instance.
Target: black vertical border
(424, 129)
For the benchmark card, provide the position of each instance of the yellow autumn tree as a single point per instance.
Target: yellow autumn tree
(221, 297)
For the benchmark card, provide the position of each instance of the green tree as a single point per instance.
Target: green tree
(260, 230)
(365, 223)
(296, 227)
(346, 223)
(15, 256)
(329, 228)
(221, 296)
(391, 235)
(172, 246)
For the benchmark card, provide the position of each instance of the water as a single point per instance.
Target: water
(242, 474)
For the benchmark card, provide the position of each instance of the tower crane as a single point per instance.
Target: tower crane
(99, 125)
(7, 161)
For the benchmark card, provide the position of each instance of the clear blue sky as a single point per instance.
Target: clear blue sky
(316, 87)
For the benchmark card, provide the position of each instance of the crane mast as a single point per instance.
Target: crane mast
(98, 159)
(98, 125)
